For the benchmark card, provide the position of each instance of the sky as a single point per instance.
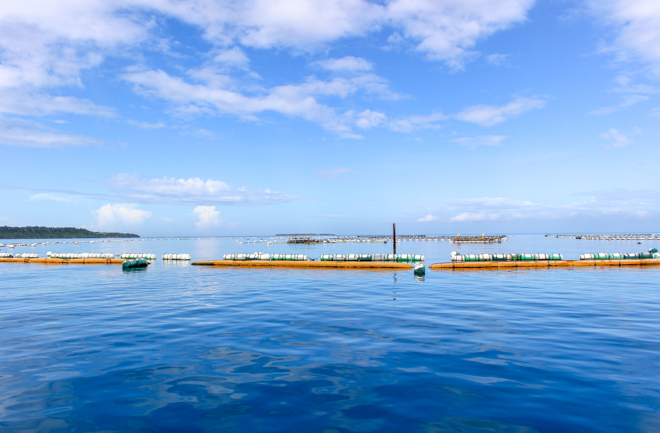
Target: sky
(256, 117)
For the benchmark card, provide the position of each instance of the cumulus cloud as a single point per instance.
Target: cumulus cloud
(637, 28)
(489, 115)
(44, 45)
(498, 59)
(412, 123)
(147, 125)
(447, 30)
(620, 204)
(482, 140)
(428, 219)
(631, 94)
(369, 119)
(14, 101)
(17, 132)
(191, 191)
(299, 100)
(112, 215)
(51, 197)
(472, 217)
(348, 63)
(616, 138)
(208, 217)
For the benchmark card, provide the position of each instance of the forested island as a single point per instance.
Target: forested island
(56, 233)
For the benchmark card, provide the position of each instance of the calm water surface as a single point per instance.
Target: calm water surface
(195, 349)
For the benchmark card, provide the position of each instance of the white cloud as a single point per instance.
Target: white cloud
(637, 27)
(489, 115)
(498, 59)
(632, 94)
(147, 125)
(482, 140)
(208, 217)
(37, 104)
(619, 204)
(428, 219)
(51, 196)
(112, 215)
(234, 57)
(88, 30)
(411, 123)
(348, 63)
(617, 139)
(627, 101)
(299, 100)
(46, 45)
(472, 217)
(447, 30)
(369, 119)
(191, 191)
(16, 132)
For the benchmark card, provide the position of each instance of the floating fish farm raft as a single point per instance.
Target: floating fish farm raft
(522, 261)
(619, 237)
(305, 264)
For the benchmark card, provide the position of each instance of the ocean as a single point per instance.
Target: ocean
(181, 348)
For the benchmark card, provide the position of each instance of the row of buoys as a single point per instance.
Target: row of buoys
(611, 237)
(176, 257)
(373, 258)
(6, 256)
(138, 256)
(264, 256)
(329, 257)
(455, 257)
(26, 256)
(652, 254)
(80, 255)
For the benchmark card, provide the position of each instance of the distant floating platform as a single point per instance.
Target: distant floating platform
(49, 261)
(543, 264)
(304, 264)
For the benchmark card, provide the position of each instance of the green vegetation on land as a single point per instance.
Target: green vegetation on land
(56, 233)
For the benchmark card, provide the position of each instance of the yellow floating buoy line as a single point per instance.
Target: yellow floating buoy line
(58, 261)
(328, 261)
(544, 264)
(304, 264)
(515, 261)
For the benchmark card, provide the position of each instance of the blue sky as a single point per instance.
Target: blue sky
(168, 118)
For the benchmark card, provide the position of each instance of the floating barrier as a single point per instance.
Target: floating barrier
(176, 257)
(60, 261)
(652, 254)
(69, 256)
(455, 257)
(6, 256)
(403, 258)
(137, 263)
(319, 264)
(26, 256)
(138, 256)
(544, 264)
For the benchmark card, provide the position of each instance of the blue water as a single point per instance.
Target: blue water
(194, 349)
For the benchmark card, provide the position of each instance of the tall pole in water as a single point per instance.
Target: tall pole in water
(394, 237)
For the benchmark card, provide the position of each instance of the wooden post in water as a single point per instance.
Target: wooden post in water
(394, 237)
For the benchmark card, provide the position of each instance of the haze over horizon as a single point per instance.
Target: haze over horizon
(221, 118)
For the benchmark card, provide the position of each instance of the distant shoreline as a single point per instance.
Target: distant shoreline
(57, 233)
